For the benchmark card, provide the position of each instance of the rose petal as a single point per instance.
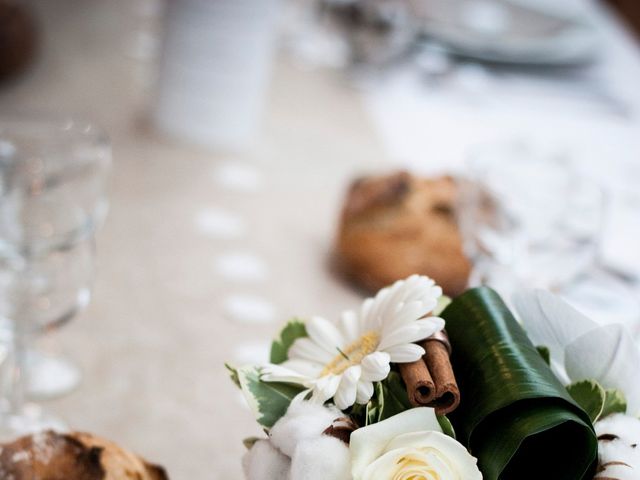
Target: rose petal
(368, 443)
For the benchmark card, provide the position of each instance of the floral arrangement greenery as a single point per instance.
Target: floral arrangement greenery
(549, 391)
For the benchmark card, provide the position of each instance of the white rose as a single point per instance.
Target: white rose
(410, 446)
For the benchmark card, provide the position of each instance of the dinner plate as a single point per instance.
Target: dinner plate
(510, 31)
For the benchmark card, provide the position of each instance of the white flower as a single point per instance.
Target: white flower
(341, 361)
(298, 450)
(580, 348)
(408, 446)
(619, 447)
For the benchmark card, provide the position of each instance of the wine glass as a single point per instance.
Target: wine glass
(52, 199)
(527, 214)
(530, 219)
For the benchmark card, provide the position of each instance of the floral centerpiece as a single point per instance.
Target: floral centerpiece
(415, 386)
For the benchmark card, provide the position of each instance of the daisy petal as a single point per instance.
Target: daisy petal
(325, 334)
(413, 332)
(276, 373)
(325, 388)
(303, 367)
(345, 396)
(364, 392)
(410, 312)
(307, 349)
(405, 353)
(375, 367)
(348, 326)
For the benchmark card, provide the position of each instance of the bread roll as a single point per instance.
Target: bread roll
(75, 456)
(396, 225)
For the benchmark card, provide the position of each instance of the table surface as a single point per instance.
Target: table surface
(153, 341)
(162, 322)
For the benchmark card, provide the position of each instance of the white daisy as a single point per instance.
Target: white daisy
(341, 361)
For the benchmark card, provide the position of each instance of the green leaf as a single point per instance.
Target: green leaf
(268, 400)
(515, 416)
(590, 396)
(544, 353)
(395, 397)
(614, 403)
(443, 302)
(250, 442)
(293, 330)
(233, 374)
(446, 426)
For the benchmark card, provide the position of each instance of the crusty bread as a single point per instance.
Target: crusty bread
(396, 225)
(75, 456)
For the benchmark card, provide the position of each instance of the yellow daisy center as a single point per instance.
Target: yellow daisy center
(352, 354)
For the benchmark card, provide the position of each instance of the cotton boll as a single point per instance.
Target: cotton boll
(619, 447)
(265, 462)
(323, 458)
(303, 421)
(625, 427)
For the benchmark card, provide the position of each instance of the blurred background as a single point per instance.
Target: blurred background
(224, 137)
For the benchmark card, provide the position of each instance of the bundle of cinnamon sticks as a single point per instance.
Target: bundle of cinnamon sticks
(430, 381)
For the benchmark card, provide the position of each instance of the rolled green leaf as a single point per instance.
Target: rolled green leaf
(515, 416)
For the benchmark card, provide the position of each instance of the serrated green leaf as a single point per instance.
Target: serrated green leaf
(514, 416)
(544, 353)
(590, 395)
(614, 403)
(268, 400)
(293, 330)
(446, 426)
(233, 374)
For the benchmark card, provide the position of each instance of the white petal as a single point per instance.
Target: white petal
(325, 334)
(550, 321)
(349, 326)
(304, 368)
(413, 332)
(345, 396)
(410, 312)
(405, 353)
(306, 349)
(609, 355)
(368, 443)
(375, 366)
(364, 392)
(325, 388)
(449, 450)
(277, 373)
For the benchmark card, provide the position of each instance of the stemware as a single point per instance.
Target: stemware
(52, 199)
(529, 214)
(530, 219)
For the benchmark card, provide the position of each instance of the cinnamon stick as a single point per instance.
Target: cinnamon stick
(421, 388)
(436, 358)
(430, 381)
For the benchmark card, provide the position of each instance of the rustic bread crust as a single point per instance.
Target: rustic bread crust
(75, 456)
(396, 225)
